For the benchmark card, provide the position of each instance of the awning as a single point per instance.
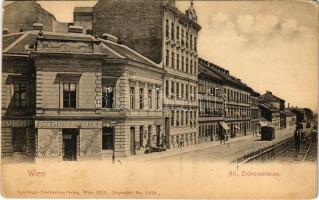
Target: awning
(236, 127)
(224, 125)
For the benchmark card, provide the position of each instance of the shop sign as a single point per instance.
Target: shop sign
(16, 123)
(68, 124)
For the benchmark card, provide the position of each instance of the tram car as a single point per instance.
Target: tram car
(267, 132)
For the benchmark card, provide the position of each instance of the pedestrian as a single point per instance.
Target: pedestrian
(297, 138)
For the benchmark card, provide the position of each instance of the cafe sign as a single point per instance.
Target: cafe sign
(68, 124)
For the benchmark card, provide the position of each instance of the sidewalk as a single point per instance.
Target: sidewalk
(194, 148)
(177, 151)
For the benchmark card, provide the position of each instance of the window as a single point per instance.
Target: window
(177, 61)
(195, 67)
(172, 119)
(107, 138)
(132, 92)
(186, 65)
(173, 60)
(191, 68)
(186, 39)
(187, 92)
(69, 95)
(20, 95)
(19, 140)
(108, 96)
(167, 88)
(167, 58)
(177, 90)
(172, 31)
(186, 120)
(172, 89)
(141, 98)
(195, 43)
(182, 118)
(191, 91)
(149, 100)
(191, 41)
(182, 91)
(157, 99)
(167, 28)
(177, 118)
(177, 33)
(183, 68)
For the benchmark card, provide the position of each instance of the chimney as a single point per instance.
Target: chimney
(110, 37)
(75, 29)
(37, 27)
(288, 105)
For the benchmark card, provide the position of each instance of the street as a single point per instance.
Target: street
(224, 152)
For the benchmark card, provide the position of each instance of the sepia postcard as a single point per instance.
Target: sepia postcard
(159, 99)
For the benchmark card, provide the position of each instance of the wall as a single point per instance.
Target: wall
(137, 24)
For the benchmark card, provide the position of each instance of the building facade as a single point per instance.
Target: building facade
(255, 112)
(237, 101)
(210, 103)
(271, 114)
(291, 119)
(75, 97)
(21, 15)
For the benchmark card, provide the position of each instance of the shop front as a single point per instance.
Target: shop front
(17, 138)
(68, 140)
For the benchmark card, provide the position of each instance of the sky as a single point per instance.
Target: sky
(269, 45)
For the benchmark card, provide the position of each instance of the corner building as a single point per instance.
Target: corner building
(161, 32)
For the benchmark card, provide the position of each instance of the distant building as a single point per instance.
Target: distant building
(83, 16)
(269, 98)
(237, 101)
(271, 114)
(21, 15)
(291, 119)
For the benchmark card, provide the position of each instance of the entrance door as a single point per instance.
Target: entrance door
(158, 135)
(132, 145)
(167, 134)
(69, 144)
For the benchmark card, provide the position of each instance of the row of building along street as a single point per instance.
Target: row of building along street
(123, 79)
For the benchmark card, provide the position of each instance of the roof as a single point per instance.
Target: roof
(269, 107)
(83, 9)
(20, 43)
(268, 96)
(116, 50)
(224, 74)
(206, 73)
(289, 113)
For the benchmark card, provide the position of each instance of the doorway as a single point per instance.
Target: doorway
(132, 145)
(69, 145)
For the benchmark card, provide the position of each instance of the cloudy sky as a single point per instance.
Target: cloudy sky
(270, 45)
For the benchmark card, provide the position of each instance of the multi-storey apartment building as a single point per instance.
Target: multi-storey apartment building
(255, 112)
(73, 96)
(158, 30)
(211, 104)
(236, 95)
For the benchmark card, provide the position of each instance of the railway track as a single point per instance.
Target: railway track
(284, 152)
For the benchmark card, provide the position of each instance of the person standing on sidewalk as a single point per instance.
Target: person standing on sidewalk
(297, 138)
